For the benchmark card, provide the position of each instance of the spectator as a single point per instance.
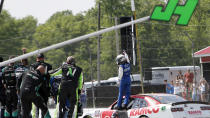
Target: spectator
(172, 87)
(208, 92)
(169, 87)
(83, 97)
(177, 89)
(188, 83)
(180, 79)
(198, 94)
(180, 75)
(189, 77)
(195, 93)
(204, 87)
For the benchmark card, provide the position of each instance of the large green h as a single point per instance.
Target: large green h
(185, 12)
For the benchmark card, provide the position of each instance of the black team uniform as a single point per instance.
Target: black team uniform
(71, 85)
(9, 79)
(29, 93)
(2, 94)
(20, 73)
(44, 90)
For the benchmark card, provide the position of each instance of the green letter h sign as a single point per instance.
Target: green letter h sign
(184, 11)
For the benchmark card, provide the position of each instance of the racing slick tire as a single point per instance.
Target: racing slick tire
(87, 117)
(120, 114)
(143, 117)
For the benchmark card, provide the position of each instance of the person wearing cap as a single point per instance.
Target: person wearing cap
(29, 92)
(9, 82)
(124, 71)
(20, 72)
(70, 87)
(44, 90)
(2, 92)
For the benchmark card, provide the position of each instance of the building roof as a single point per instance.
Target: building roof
(203, 52)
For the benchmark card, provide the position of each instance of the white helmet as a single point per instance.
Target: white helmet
(120, 59)
(70, 60)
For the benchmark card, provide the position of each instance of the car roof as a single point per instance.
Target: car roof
(175, 68)
(153, 94)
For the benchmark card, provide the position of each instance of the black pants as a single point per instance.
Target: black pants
(3, 101)
(67, 93)
(44, 92)
(27, 98)
(11, 103)
(19, 107)
(2, 96)
(37, 108)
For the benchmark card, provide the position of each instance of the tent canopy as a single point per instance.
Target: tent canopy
(203, 53)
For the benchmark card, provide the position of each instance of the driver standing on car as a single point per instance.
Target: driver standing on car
(124, 77)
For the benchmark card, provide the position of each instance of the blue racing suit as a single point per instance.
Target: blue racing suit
(125, 84)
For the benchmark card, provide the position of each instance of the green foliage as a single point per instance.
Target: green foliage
(162, 43)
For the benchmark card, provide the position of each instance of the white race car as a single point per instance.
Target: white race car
(155, 106)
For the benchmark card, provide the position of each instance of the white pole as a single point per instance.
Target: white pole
(117, 39)
(133, 44)
(81, 38)
(133, 6)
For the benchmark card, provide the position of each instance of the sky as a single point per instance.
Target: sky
(43, 9)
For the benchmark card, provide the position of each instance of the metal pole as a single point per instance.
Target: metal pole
(138, 47)
(91, 75)
(140, 65)
(192, 53)
(74, 40)
(117, 38)
(1, 5)
(201, 68)
(99, 50)
(133, 44)
(192, 57)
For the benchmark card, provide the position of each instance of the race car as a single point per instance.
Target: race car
(155, 106)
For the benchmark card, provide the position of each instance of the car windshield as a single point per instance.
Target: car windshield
(165, 99)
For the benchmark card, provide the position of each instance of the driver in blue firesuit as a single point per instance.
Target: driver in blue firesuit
(124, 77)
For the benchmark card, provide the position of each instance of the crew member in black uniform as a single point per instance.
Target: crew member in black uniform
(44, 90)
(20, 72)
(9, 82)
(2, 92)
(29, 92)
(71, 85)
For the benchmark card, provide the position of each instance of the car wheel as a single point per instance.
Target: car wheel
(144, 117)
(87, 117)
